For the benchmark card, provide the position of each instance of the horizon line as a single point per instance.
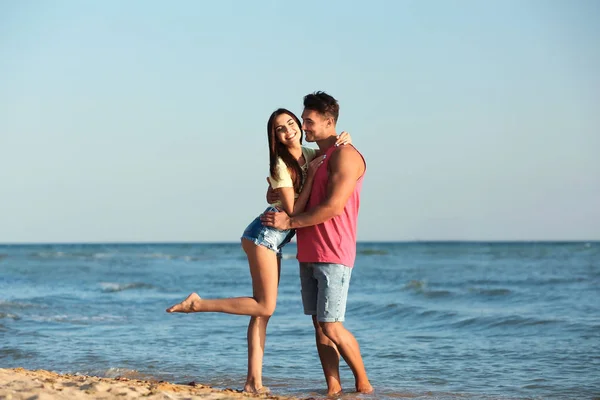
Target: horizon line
(413, 241)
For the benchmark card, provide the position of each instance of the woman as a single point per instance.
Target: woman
(292, 169)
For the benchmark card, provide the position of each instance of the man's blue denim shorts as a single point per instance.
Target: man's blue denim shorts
(271, 238)
(325, 290)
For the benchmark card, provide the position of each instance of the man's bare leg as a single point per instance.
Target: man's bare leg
(263, 268)
(349, 349)
(330, 359)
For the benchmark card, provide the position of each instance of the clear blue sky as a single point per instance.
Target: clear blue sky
(146, 120)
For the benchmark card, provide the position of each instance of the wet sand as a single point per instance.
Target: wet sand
(22, 384)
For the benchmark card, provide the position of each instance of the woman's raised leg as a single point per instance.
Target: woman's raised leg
(263, 269)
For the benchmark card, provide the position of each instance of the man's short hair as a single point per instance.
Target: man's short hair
(322, 103)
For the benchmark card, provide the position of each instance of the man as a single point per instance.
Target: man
(326, 238)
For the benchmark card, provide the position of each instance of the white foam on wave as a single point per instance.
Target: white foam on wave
(104, 255)
(49, 254)
(9, 316)
(159, 256)
(134, 374)
(162, 256)
(15, 305)
(77, 319)
(116, 372)
(111, 287)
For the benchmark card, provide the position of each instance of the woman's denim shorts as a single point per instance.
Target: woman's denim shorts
(267, 236)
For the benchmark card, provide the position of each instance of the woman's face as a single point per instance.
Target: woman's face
(287, 131)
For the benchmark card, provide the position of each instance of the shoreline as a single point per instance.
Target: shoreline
(22, 384)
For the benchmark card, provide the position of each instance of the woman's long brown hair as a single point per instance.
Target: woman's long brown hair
(278, 150)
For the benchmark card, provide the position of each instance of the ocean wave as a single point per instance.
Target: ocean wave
(116, 372)
(103, 255)
(3, 256)
(165, 256)
(12, 305)
(517, 320)
(394, 355)
(527, 281)
(491, 292)
(506, 321)
(435, 294)
(436, 381)
(429, 339)
(534, 386)
(15, 354)
(437, 314)
(421, 288)
(415, 284)
(469, 322)
(48, 254)
(9, 316)
(77, 320)
(62, 255)
(58, 254)
(161, 256)
(111, 287)
(373, 252)
(388, 311)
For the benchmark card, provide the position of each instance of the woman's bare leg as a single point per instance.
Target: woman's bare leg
(264, 272)
(257, 333)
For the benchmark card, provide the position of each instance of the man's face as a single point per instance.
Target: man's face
(314, 125)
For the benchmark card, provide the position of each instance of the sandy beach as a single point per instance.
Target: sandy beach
(22, 384)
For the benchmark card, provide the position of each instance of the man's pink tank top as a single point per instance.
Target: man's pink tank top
(333, 241)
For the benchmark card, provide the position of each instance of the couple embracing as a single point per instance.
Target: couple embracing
(315, 194)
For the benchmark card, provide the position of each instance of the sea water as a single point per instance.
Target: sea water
(439, 320)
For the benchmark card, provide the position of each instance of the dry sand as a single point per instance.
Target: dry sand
(22, 384)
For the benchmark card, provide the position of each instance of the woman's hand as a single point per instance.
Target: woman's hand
(314, 165)
(343, 138)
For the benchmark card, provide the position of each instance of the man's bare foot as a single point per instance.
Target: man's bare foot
(261, 390)
(364, 388)
(186, 306)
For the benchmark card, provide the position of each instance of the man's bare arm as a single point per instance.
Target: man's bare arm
(345, 168)
(272, 196)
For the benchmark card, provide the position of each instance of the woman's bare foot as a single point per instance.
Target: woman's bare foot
(261, 390)
(190, 304)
